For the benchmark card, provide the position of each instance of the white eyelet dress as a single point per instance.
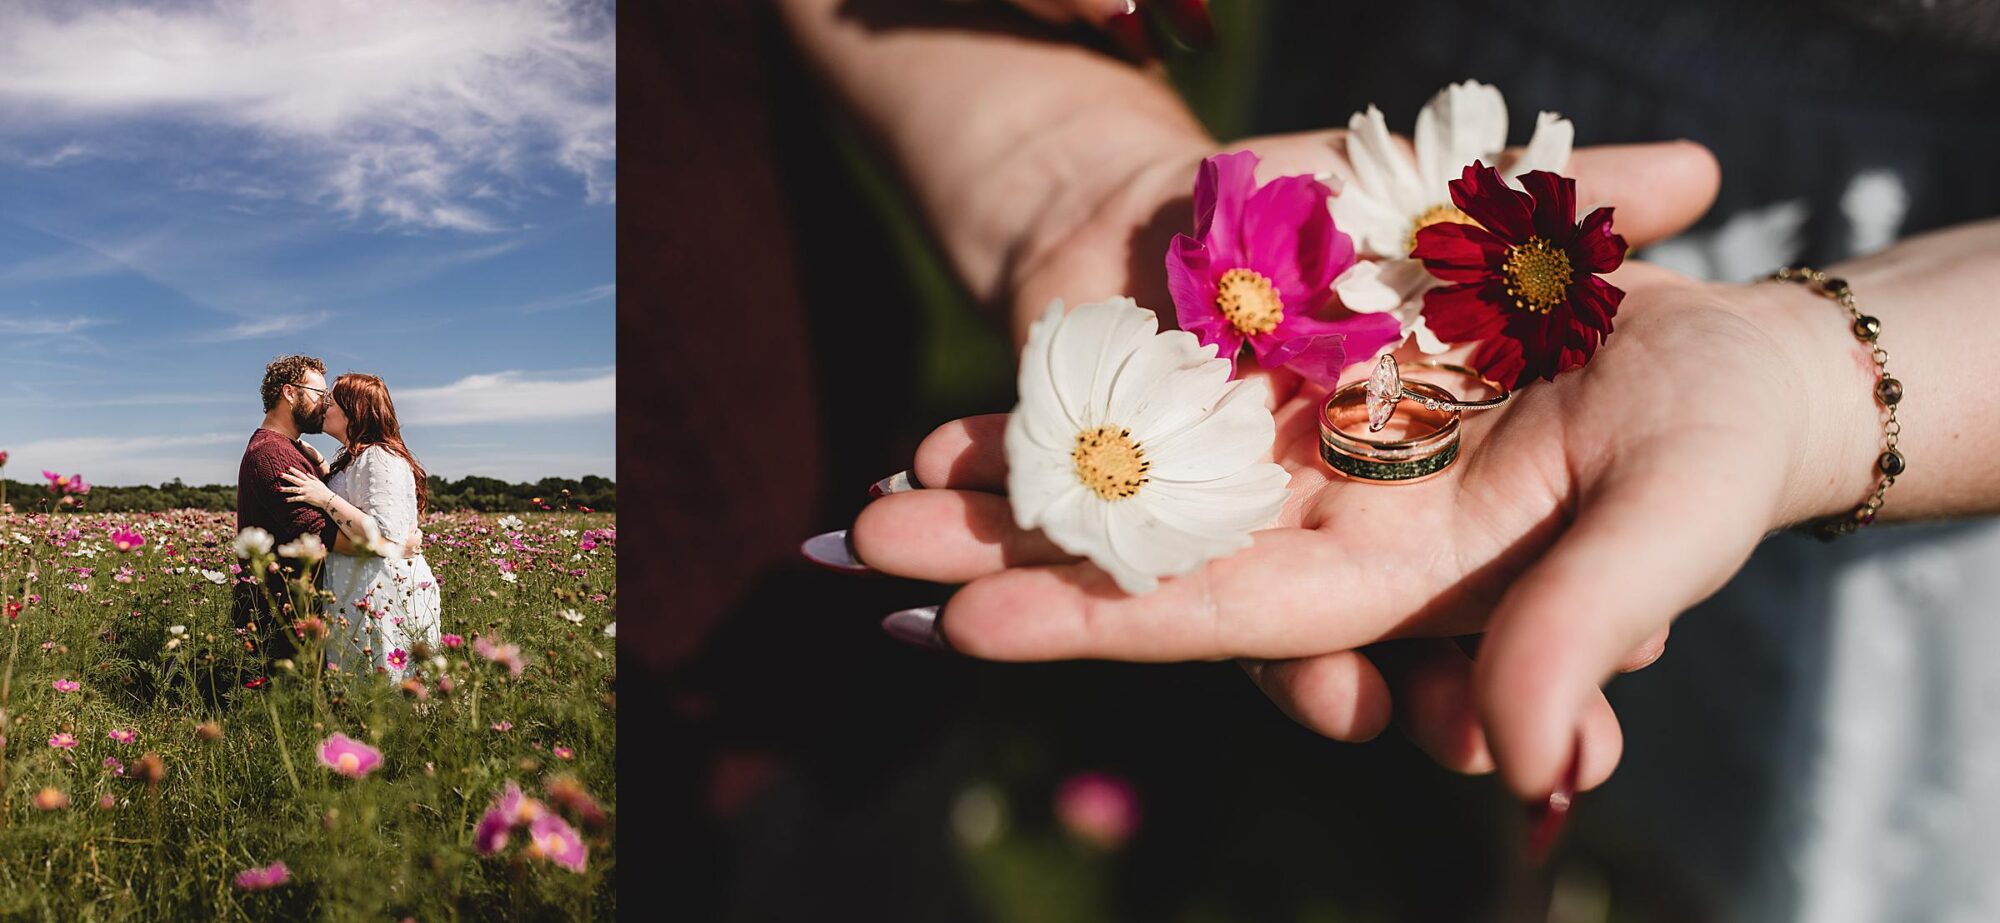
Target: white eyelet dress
(381, 606)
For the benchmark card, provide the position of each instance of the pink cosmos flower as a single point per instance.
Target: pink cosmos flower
(564, 753)
(261, 879)
(453, 641)
(127, 539)
(112, 763)
(552, 838)
(508, 654)
(509, 809)
(399, 658)
(491, 835)
(503, 726)
(1099, 807)
(349, 757)
(66, 685)
(63, 740)
(1261, 263)
(123, 735)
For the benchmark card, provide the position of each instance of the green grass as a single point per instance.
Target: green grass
(395, 844)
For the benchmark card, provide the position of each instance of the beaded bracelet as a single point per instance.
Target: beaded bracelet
(1888, 391)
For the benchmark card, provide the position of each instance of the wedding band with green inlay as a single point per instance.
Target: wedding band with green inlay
(1424, 444)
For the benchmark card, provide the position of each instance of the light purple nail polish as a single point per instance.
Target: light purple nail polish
(833, 550)
(915, 626)
(894, 484)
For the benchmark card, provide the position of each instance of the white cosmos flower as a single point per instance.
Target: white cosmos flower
(510, 523)
(253, 542)
(1132, 447)
(215, 576)
(1392, 195)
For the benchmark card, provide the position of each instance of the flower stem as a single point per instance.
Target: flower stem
(279, 732)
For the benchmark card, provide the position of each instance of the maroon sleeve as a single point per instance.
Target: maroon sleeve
(264, 475)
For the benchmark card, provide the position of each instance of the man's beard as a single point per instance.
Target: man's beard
(309, 421)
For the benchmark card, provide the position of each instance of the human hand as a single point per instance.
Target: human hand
(1584, 516)
(415, 543)
(306, 489)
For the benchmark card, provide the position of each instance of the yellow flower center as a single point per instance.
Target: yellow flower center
(1437, 214)
(1538, 275)
(1249, 301)
(1109, 463)
(349, 762)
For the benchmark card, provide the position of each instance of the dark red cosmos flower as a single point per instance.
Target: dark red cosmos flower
(1524, 279)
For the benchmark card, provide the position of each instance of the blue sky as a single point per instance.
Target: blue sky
(419, 191)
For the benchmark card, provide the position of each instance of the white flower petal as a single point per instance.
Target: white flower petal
(1236, 433)
(1045, 420)
(1464, 122)
(1245, 501)
(1172, 372)
(1362, 290)
(1145, 547)
(1075, 522)
(1381, 166)
(1088, 348)
(1036, 475)
(1548, 149)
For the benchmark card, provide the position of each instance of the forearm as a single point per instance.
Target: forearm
(1007, 136)
(355, 526)
(1936, 297)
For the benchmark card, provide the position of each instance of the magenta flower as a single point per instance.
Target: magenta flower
(123, 735)
(552, 838)
(564, 753)
(349, 757)
(125, 539)
(509, 809)
(66, 484)
(399, 658)
(1098, 807)
(1261, 262)
(63, 740)
(261, 879)
(453, 641)
(66, 685)
(112, 763)
(508, 654)
(491, 835)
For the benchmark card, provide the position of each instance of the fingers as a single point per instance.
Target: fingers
(965, 454)
(1659, 189)
(946, 536)
(1293, 593)
(1339, 695)
(1645, 654)
(1643, 548)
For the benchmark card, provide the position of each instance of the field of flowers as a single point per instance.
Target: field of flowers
(151, 770)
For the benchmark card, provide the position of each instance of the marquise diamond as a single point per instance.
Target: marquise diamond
(1385, 388)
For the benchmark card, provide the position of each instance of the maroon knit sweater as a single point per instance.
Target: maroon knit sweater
(259, 500)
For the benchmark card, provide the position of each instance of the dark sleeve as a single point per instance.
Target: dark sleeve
(267, 476)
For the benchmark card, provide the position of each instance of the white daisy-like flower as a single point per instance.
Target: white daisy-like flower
(177, 629)
(215, 576)
(510, 523)
(1132, 447)
(611, 630)
(572, 615)
(1392, 195)
(306, 547)
(253, 542)
(509, 577)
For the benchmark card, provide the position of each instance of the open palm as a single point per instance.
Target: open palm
(1590, 510)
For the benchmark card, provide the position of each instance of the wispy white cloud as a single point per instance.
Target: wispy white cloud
(407, 113)
(508, 397)
(45, 326)
(590, 295)
(55, 157)
(275, 325)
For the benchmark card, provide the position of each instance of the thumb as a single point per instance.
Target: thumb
(1659, 189)
(1646, 545)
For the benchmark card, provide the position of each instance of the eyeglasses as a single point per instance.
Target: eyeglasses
(320, 391)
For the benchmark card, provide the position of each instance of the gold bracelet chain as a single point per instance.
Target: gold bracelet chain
(1888, 393)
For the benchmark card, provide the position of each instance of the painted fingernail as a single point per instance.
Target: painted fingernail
(1129, 28)
(833, 550)
(1189, 21)
(894, 484)
(917, 626)
(1546, 818)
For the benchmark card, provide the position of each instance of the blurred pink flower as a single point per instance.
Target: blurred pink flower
(66, 685)
(63, 740)
(260, 879)
(1099, 807)
(508, 654)
(564, 753)
(399, 658)
(123, 735)
(453, 641)
(349, 757)
(552, 838)
(125, 539)
(112, 763)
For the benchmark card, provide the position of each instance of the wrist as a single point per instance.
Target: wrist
(1831, 406)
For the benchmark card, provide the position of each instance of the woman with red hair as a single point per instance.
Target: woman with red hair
(384, 603)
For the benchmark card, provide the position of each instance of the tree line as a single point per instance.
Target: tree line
(482, 494)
